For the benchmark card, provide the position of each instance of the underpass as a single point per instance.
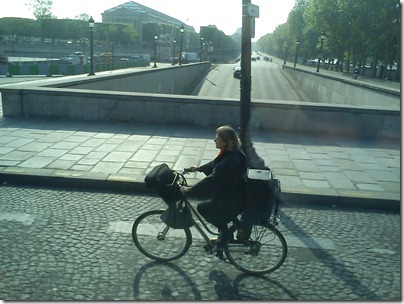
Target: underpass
(268, 83)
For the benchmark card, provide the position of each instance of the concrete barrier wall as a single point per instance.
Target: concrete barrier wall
(296, 117)
(169, 80)
(49, 68)
(333, 90)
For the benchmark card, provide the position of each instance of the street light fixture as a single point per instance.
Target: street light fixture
(182, 35)
(155, 51)
(91, 27)
(200, 58)
(286, 52)
(173, 44)
(297, 48)
(322, 38)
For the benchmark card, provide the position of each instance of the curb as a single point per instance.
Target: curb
(102, 182)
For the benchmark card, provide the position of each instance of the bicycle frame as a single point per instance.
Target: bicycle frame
(263, 251)
(271, 215)
(202, 221)
(182, 181)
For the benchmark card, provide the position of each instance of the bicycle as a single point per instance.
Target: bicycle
(263, 252)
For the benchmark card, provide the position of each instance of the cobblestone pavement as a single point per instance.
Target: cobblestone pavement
(59, 244)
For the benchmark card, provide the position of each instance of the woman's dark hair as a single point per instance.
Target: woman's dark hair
(229, 137)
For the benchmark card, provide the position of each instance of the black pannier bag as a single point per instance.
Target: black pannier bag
(262, 196)
(163, 180)
(262, 189)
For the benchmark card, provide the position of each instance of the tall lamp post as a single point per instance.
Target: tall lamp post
(249, 12)
(173, 61)
(91, 27)
(286, 52)
(155, 51)
(181, 40)
(200, 58)
(297, 48)
(322, 38)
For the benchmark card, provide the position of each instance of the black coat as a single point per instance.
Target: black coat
(225, 182)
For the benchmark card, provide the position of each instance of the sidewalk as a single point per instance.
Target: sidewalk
(112, 155)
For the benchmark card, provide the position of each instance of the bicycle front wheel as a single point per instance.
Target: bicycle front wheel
(264, 252)
(158, 241)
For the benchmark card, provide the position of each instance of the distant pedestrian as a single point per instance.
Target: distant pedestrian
(356, 72)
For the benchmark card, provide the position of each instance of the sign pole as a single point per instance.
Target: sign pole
(254, 161)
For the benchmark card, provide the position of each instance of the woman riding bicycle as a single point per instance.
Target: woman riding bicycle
(224, 183)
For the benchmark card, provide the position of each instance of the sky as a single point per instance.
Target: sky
(224, 14)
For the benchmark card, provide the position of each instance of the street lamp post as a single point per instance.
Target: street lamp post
(91, 27)
(254, 161)
(286, 52)
(297, 48)
(181, 40)
(200, 58)
(173, 44)
(322, 38)
(155, 51)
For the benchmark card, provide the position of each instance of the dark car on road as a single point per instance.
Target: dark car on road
(237, 72)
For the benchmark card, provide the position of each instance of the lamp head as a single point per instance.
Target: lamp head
(91, 22)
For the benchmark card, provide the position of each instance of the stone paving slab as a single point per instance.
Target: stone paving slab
(112, 153)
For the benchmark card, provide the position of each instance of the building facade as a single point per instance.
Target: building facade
(137, 15)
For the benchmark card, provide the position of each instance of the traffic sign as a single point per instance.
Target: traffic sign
(251, 10)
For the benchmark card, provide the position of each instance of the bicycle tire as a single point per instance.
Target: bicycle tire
(156, 240)
(264, 252)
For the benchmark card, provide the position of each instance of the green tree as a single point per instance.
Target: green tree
(41, 8)
(19, 27)
(357, 32)
(82, 16)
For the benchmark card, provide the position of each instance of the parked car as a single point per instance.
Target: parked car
(237, 72)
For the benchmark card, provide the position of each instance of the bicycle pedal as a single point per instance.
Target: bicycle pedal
(208, 249)
(219, 254)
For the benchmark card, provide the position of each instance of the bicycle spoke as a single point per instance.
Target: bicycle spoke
(264, 252)
(158, 241)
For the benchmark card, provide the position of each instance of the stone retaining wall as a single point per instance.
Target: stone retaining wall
(323, 88)
(100, 98)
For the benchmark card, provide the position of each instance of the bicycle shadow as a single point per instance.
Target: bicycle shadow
(167, 282)
(239, 289)
(173, 283)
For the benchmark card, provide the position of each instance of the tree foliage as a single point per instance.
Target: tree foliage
(358, 32)
(212, 35)
(41, 8)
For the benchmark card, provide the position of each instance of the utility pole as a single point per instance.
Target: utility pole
(249, 12)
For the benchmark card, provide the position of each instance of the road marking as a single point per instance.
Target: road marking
(292, 241)
(23, 218)
(310, 242)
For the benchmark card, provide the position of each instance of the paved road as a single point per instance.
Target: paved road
(268, 83)
(61, 244)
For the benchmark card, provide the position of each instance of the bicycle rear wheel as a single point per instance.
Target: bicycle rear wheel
(158, 241)
(264, 252)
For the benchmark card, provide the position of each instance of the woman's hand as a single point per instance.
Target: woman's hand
(184, 189)
(192, 169)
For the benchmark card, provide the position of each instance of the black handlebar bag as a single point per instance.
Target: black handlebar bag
(176, 217)
(163, 180)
